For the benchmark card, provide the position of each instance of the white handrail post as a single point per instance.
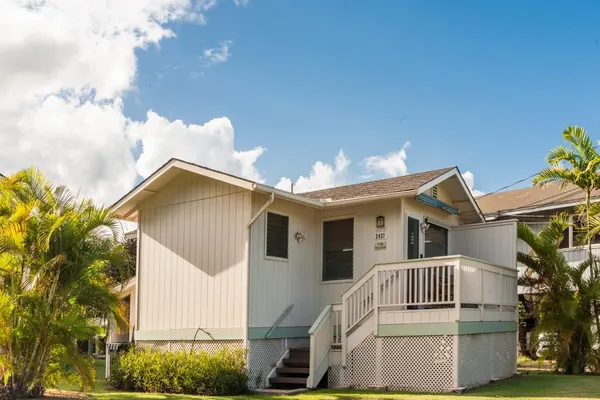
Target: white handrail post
(343, 332)
(457, 274)
(376, 301)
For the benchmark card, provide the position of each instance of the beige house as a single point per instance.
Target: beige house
(397, 283)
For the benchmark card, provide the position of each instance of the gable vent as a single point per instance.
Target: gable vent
(434, 192)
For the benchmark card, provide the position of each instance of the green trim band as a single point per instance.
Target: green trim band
(189, 334)
(279, 333)
(448, 328)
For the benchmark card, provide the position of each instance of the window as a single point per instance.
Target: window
(436, 241)
(278, 227)
(564, 243)
(338, 249)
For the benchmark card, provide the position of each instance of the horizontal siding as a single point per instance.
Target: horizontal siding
(277, 284)
(193, 255)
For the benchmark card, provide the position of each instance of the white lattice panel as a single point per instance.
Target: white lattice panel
(418, 363)
(504, 354)
(474, 360)
(335, 377)
(262, 357)
(486, 356)
(210, 346)
(360, 364)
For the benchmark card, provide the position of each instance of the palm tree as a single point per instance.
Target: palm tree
(576, 165)
(54, 250)
(567, 295)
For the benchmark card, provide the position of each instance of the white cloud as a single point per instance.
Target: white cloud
(470, 181)
(321, 176)
(65, 66)
(391, 164)
(219, 54)
(210, 144)
(241, 3)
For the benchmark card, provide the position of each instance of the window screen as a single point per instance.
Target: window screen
(338, 249)
(277, 235)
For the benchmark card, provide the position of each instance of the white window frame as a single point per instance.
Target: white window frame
(266, 216)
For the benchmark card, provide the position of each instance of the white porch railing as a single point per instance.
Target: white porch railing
(466, 287)
(427, 284)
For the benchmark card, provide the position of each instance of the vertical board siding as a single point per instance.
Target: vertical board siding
(194, 256)
(494, 242)
(276, 284)
(365, 255)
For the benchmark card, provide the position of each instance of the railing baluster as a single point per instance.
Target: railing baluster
(443, 282)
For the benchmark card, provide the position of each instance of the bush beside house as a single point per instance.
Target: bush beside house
(200, 373)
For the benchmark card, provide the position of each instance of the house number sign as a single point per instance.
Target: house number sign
(380, 236)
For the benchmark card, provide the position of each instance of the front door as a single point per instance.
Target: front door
(412, 244)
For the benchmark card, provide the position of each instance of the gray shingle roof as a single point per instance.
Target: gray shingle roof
(377, 188)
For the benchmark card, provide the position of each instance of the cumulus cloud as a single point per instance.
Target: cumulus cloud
(211, 144)
(470, 181)
(219, 54)
(65, 67)
(391, 164)
(321, 176)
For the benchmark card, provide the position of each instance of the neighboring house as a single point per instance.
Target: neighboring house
(536, 206)
(396, 283)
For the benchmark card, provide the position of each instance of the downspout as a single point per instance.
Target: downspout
(252, 221)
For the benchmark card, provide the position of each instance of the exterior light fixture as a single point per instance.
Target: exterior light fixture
(299, 237)
(380, 222)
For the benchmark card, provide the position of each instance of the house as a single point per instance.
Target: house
(397, 283)
(536, 206)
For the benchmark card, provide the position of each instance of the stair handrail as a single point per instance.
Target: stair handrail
(279, 321)
(321, 334)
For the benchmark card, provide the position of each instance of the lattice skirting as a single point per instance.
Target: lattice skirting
(210, 346)
(264, 354)
(434, 363)
(486, 356)
(415, 363)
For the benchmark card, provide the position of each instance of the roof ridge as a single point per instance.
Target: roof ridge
(380, 180)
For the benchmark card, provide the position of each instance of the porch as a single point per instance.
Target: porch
(446, 307)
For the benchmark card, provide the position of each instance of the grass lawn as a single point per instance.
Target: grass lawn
(528, 387)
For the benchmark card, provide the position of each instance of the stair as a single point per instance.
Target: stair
(294, 372)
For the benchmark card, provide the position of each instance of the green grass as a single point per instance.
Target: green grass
(538, 387)
(543, 386)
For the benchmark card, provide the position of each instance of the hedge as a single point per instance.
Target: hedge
(200, 373)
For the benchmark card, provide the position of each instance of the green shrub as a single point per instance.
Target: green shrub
(219, 374)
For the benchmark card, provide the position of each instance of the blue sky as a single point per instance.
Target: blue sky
(488, 86)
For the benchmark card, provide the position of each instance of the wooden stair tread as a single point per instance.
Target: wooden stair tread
(293, 370)
(288, 379)
(294, 362)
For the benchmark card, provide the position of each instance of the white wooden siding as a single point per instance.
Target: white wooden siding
(276, 284)
(193, 255)
(494, 242)
(365, 255)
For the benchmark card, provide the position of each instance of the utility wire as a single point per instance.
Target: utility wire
(519, 181)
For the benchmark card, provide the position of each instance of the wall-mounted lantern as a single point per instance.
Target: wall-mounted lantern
(299, 237)
(380, 222)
